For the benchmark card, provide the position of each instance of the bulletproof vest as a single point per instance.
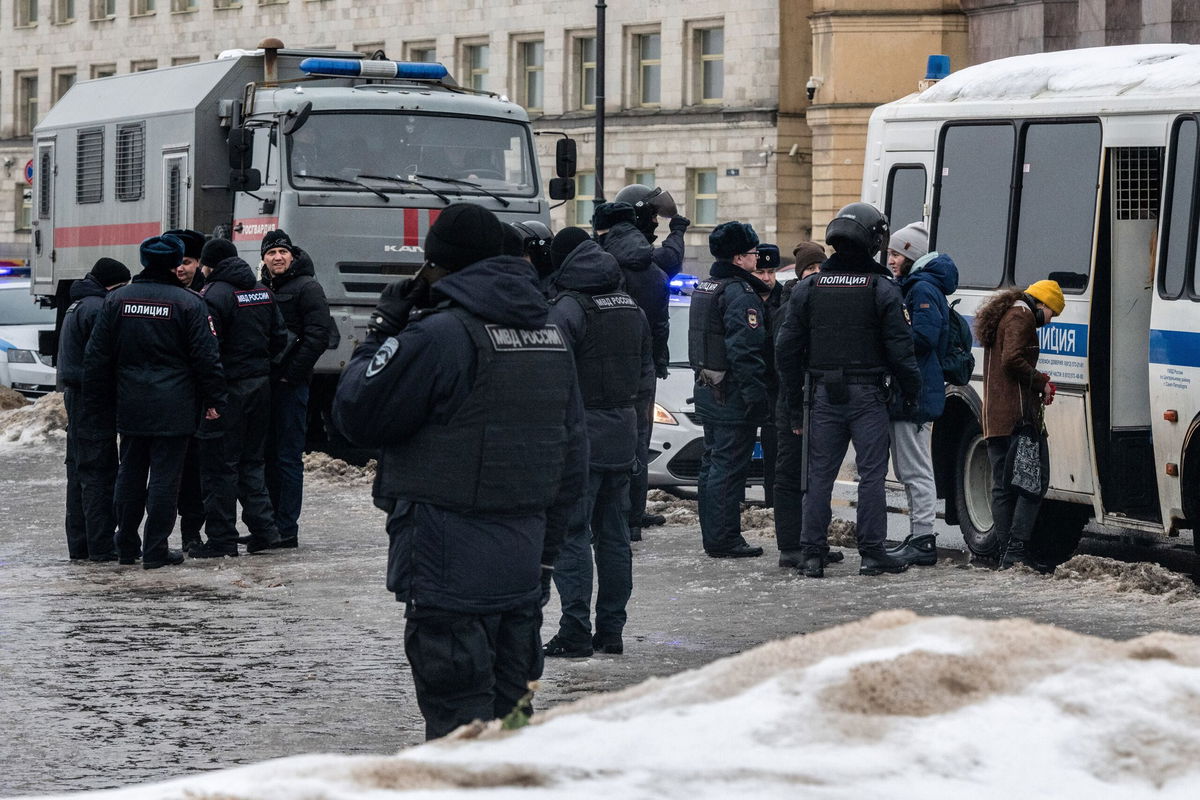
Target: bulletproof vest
(503, 450)
(706, 329)
(845, 331)
(609, 360)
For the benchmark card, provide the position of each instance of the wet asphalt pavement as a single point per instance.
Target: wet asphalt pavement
(114, 675)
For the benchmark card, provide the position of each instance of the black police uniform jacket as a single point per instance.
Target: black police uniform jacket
(728, 333)
(250, 329)
(478, 413)
(305, 311)
(645, 283)
(87, 298)
(851, 317)
(154, 340)
(611, 341)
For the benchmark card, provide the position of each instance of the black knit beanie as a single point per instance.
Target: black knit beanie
(564, 243)
(110, 272)
(193, 241)
(276, 238)
(463, 234)
(217, 250)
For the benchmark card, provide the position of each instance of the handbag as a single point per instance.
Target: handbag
(1027, 465)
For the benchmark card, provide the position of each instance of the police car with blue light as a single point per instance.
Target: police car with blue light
(22, 321)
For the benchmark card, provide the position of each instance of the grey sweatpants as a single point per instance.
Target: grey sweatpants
(912, 460)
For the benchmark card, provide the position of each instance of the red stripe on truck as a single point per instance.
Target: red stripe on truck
(411, 233)
(106, 235)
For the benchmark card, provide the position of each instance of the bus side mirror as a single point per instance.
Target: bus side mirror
(245, 180)
(562, 189)
(241, 148)
(565, 159)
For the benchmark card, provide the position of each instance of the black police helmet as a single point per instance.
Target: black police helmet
(858, 226)
(647, 202)
(536, 238)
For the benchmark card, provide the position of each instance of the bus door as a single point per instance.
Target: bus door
(1120, 321)
(176, 188)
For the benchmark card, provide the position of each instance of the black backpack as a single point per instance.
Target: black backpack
(958, 363)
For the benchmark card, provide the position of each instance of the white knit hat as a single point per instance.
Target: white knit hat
(911, 241)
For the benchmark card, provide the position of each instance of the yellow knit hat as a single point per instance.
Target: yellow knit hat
(1050, 293)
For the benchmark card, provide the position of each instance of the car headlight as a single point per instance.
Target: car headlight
(663, 417)
(21, 357)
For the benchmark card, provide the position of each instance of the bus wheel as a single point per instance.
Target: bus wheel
(973, 490)
(1057, 532)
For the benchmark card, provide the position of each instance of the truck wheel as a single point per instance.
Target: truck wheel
(1057, 532)
(973, 490)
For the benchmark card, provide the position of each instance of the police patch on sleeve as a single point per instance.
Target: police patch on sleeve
(752, 318)
(211, 327)
(382, 356)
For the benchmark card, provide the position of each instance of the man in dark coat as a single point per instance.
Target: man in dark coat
(250, 332)
(474, 402)
(768, 264)
(155, 342)
(91, 442)
(288, 272)
(616, 231)
(727, 343)
(610, 338)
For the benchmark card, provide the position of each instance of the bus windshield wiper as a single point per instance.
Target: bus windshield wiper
(408, 182)
(461, 182)
(348, 182)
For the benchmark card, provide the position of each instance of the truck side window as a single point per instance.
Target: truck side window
(906, 196)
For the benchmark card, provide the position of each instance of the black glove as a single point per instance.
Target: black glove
(910, 408)
(680, 224)
(662, 371)
(395, 302)
(547, 574)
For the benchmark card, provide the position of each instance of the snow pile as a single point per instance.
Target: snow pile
(1122, 577)
(758, 521)
(334, 470)
(893, 706)
(31, 424)
(677, 510)
(10, 398)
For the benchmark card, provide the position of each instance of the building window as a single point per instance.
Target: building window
(89, 166)
(143, 66)
(63, 80)
(703, 183)
(422, 51)
(475, 59)
(64, 11)
(709, 46)
(130, 172)
(27, 13)
(140, 8)
(27, 103)
(184, 6)
(272, 2)
(227, 3)
(24, 207)
(585, 71)
(585, 198)
(104, 9)
(103, 70)
(177, 60)
(532, 66)
(648, 80)
(643, 176)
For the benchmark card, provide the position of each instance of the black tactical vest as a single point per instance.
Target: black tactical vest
(706, 326)
(609, 360)
(503, 451)
(845, 330)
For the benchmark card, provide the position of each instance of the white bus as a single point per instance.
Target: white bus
(1081, 166)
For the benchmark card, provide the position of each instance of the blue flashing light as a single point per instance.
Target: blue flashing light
(17, 272)
(683, 283)
(361, 68)
(937, 67)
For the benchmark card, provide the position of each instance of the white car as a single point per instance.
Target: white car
(677, 440)
(21, 320)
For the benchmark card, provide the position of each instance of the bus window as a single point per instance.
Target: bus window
(1174, 259)
(906, 196)
(971, 214)
(1057, 218)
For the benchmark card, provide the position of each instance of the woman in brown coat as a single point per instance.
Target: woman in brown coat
(1013, 392)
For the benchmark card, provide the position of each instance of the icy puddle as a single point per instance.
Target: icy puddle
(893, 706)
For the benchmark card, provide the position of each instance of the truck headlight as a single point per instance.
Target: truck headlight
(663, 417)
(21, 357)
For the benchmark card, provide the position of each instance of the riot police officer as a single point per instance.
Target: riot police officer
(727, 340)
(475, 404)
(648, 205)
(847, 330)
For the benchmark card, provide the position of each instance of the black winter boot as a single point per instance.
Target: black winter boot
(917, 548)
(877, 562)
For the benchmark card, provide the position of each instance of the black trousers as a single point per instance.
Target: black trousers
(788, 495)
(1015, 514)
(639, 478)
(148, 485)
(91, 474)
(231, 466)
(191, 497)
(471, 666)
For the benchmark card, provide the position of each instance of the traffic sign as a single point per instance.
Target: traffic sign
(29, 172)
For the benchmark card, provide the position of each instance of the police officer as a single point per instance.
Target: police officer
(250, 332)
(91, 441)
(847, 329)
(191, 498)
(768, 264)
(727, 340)
(535, 248)
(154, 341)
(611, 341)
(474, 402)
(648, 205)
(614, 225)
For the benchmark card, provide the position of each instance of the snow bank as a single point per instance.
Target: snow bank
(1124, 577)
(334, 470)
(892, 706)
(35, 423)
(10, 399)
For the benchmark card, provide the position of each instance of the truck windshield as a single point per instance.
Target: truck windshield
(495, 155)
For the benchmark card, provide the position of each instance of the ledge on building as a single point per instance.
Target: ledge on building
(687, 115)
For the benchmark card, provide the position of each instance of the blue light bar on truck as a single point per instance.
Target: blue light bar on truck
(361, 68)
